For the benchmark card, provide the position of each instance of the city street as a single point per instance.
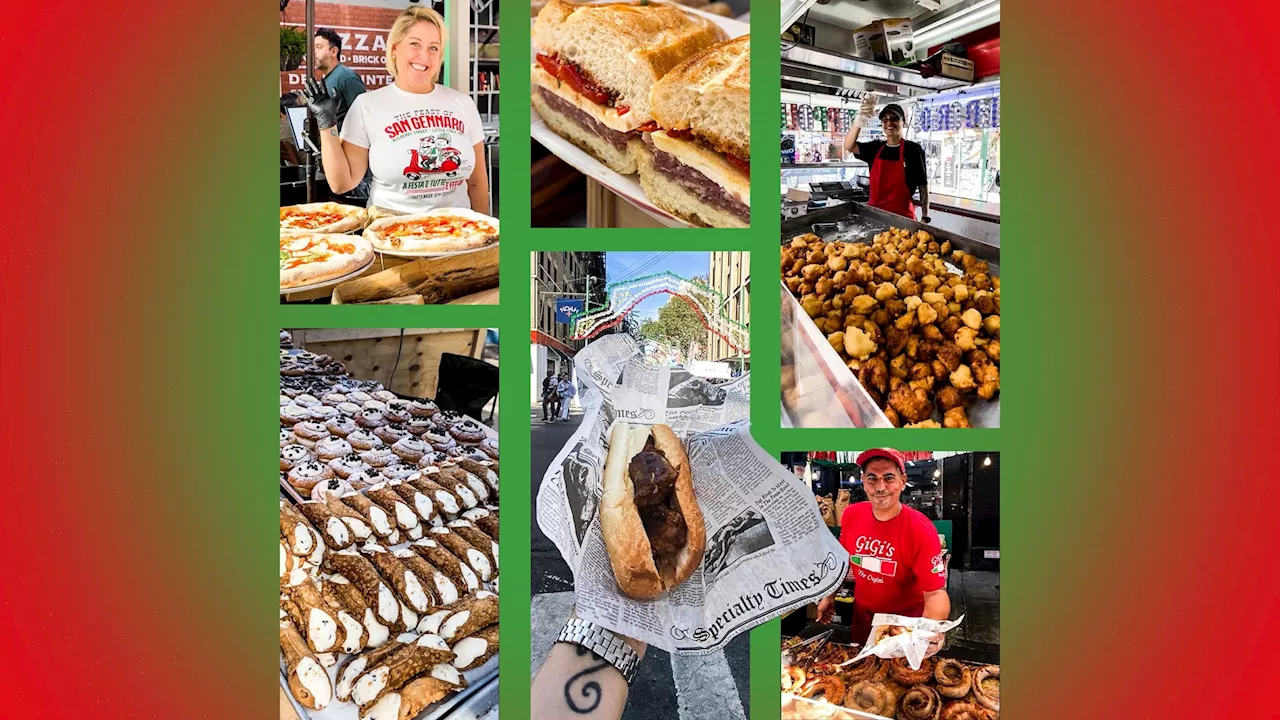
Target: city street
(666, 687)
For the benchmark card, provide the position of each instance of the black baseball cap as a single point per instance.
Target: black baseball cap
(893, 109)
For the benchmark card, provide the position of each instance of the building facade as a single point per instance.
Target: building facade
(556, 276)
(730, 275)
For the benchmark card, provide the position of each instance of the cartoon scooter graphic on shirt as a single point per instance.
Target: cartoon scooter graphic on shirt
(433, 155)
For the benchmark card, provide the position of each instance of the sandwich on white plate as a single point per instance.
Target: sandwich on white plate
(697, 163)
(597, 63)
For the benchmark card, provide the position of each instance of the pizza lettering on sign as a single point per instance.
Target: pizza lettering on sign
(363, 30)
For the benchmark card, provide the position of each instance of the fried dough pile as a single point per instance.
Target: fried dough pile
(923, 341)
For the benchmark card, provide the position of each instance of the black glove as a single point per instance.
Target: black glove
(924, 219)
(321, 104)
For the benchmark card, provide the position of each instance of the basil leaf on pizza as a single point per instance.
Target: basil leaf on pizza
(307, 258)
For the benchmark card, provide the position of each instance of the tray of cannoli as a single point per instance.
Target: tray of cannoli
(821, 680)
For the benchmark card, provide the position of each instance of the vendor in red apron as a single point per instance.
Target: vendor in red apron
(897, 165)
(896, 558)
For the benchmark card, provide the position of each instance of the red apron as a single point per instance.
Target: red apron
(889, 189)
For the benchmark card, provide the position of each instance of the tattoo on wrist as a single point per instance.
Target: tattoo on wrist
(334, 131)
(590, 689)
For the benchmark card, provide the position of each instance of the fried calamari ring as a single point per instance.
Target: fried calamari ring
(902, 673)
(953, 678)
(793, 678)
(823, 687)
(870, 697)
(920, 703)
(986, 687)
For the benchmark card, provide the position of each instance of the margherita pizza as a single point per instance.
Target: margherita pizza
(439, 231)
(325, 217)
(308, 258)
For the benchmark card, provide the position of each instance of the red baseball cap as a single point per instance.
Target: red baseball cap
(887, 453)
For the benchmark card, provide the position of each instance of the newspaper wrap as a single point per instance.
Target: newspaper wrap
(768, 550)
(910, 645)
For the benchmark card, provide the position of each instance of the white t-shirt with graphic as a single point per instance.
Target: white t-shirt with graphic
(421, 146)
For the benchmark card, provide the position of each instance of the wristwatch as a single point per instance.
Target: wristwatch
(602, 642)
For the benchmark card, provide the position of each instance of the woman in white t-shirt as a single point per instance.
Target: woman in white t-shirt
(422, 141)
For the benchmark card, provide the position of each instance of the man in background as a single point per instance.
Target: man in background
(549, 395)
(342, 82)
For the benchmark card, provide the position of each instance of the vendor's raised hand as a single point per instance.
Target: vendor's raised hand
(868, 107)
(322, 105)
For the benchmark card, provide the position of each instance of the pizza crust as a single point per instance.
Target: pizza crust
(327, 265)
(353, 217)
(378, 237)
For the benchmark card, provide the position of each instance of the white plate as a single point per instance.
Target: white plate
(327, 283)
(434, 254)
(625, 186)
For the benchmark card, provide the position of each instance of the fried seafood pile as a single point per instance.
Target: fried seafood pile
(923, 340)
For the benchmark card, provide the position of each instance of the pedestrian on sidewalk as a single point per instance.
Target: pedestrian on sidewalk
(566, 390)
(549, 395)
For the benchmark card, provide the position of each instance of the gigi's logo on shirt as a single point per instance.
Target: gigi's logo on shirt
(871, 546)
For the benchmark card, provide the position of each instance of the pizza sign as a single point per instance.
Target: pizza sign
(363, 30)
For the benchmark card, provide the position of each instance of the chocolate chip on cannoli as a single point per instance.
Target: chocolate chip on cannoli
(380, 520)
(408, 586)
(314, 617)
(355, 666)
(443, 589)
(355, 637)
(484, 519)
(460, 547)
(336, 532)
(451, 565)
(470, 615)
(477, 538)
(392, 672)
(420, 500)
(475, 649)
(377, 593)
(390, 500)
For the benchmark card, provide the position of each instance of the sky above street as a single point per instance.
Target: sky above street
(625, 265)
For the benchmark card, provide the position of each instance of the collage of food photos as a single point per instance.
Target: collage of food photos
(666, 528)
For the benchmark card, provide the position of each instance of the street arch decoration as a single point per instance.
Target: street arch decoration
(621, 298)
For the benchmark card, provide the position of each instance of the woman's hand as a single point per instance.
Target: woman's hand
(322, 105)
(868, 107)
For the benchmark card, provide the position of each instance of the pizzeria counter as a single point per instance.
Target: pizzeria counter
(388, 531)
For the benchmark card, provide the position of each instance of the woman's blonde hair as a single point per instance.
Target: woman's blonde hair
(400, 28)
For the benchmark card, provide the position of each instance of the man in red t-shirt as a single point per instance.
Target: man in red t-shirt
(894, 551)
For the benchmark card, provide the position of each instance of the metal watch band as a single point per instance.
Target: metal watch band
(600, 641)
